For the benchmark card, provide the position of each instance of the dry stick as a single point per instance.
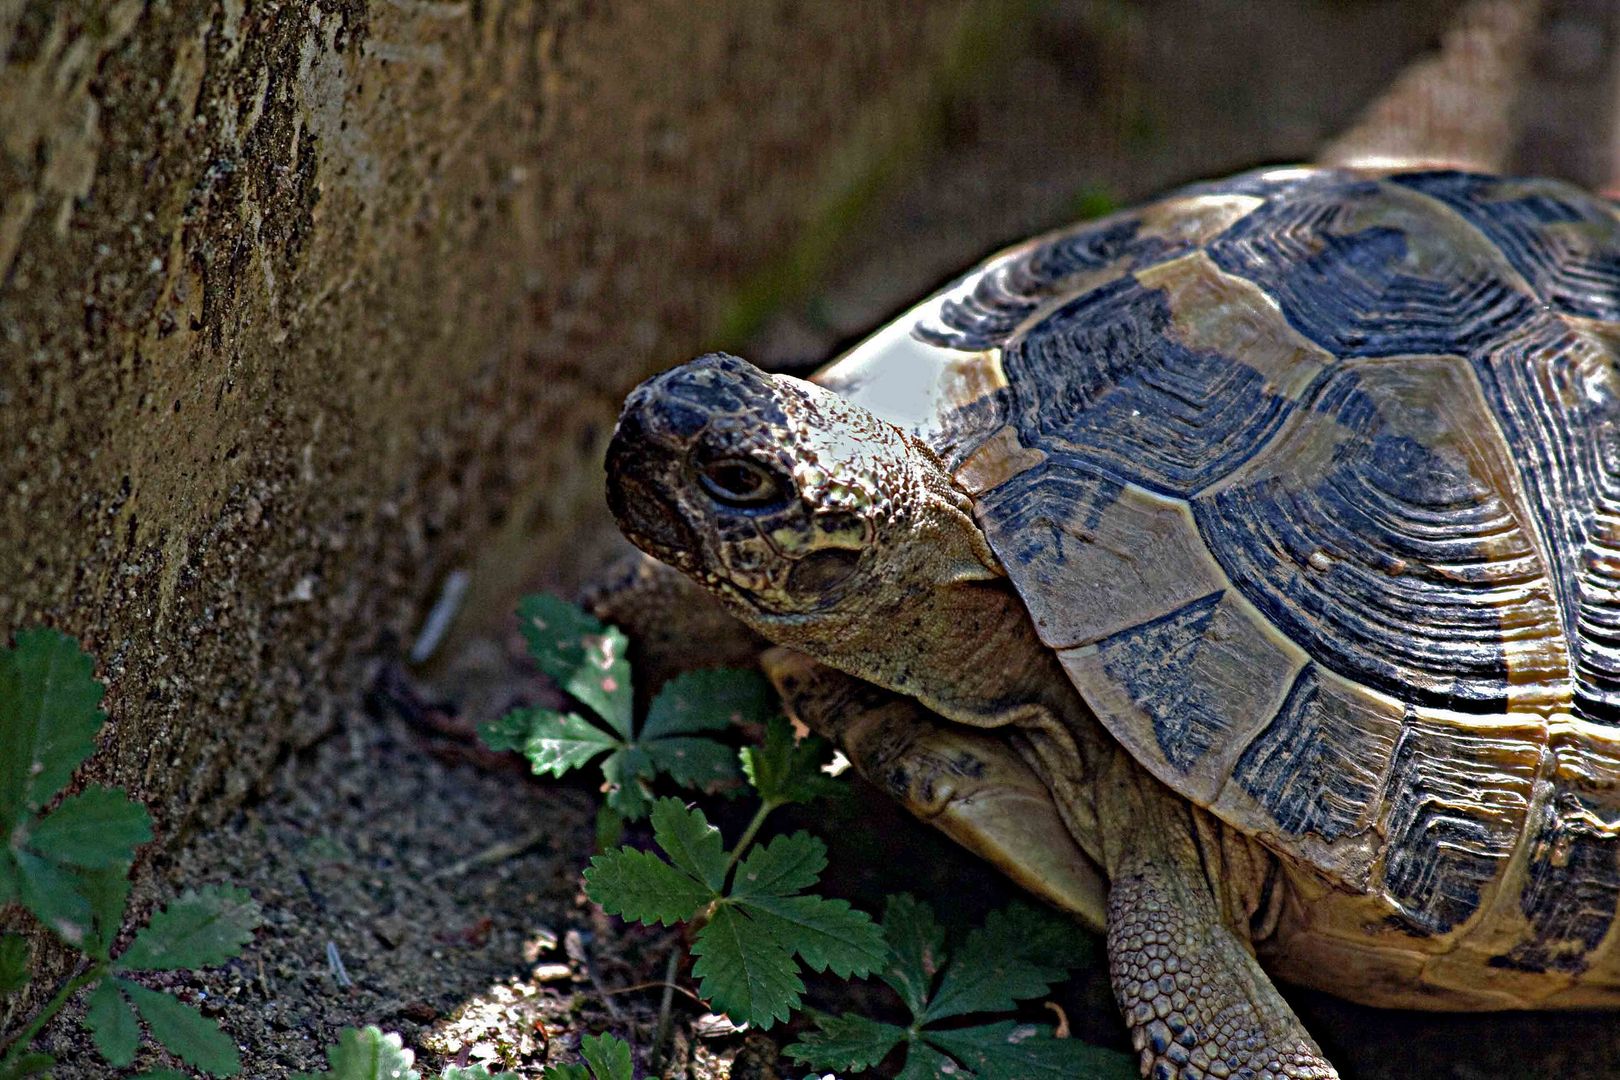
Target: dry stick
(661, 1034)
(495, 853)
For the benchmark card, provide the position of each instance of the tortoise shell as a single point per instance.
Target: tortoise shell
(1311, 478)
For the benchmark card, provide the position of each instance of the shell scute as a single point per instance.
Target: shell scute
(1564, 242)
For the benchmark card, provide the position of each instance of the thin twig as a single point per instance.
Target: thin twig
(661, 1035)
(495, 853)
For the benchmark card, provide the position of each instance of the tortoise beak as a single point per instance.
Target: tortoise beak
(642, 470)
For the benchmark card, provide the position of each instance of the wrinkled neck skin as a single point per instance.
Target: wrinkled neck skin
(934, 619)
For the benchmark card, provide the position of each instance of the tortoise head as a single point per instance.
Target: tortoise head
(772, 492)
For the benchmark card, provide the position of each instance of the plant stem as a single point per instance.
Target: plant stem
(19, 1045)
(749, 833)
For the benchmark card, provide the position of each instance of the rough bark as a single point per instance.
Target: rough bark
(304, 305)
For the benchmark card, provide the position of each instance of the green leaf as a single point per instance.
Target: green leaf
(201, 929)
(609, 828)
(97, 828)
(710, 700)
(784, 866)
(690, 841)
(640, 886)
(694, 763)
(553, 742)
(916, 949)
(162, 1074)
(784, 770)
(107, 891)
(27, 1065)
(48, 719)
(845, 1043)
(470, 1072)
(1014, 1051)
(10, 878)
(54, 894)
(183, 1031)
(14, 956)
(923, 1062)
(744, 973)
(112, 1024)
(608, 1057)
(585, 658)
(367, 1055)
(625, 772)
(1018, 953)
(825, 933)
(566, 1072)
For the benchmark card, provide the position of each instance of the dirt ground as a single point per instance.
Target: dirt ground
(413, 885)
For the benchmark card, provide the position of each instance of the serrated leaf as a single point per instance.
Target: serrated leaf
(54, 894)
(112, 1024)
(709, 700)
(785, 865)
(107, 891)
(785, 770)
(639, 886)
(608, 1057)
(14, 956)
(923, 1062)
(1018, 953)
(203, 928)
(691, 843)
(470, 1072)
(566, 1072)
(626, 772)
(847, 1043)
(585, 658)
(553, 742)
(183, 1031)
(1014, 1051)
(49, 717)
(367, 1054)
(824, 933)
(916, 950)
(691, 762)
(97, 828)
(744, 973)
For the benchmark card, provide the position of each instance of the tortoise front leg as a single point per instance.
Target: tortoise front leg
(970, 784)
(1196, 1002)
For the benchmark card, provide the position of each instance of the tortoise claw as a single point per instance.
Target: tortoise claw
(972, 785)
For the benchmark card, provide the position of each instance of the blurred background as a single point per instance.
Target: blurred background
(311, 307)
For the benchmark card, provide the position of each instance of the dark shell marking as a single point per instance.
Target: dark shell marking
(1312, 478)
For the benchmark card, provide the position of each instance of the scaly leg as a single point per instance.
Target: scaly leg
(1197, 1003)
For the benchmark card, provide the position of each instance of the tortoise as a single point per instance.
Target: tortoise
(1241, 572)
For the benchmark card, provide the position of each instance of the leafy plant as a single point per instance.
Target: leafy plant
(605, 1058)
(69, 866)
(749, 909)
(1018, 954)
(369, 1054)
(587, 661)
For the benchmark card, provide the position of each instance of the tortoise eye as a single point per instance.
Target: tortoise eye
(740, 483)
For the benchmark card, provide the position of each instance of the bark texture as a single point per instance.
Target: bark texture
(305, 304)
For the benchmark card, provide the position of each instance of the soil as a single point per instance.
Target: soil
(410, 882)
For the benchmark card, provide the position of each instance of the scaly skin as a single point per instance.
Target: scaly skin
(1196, 1002)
